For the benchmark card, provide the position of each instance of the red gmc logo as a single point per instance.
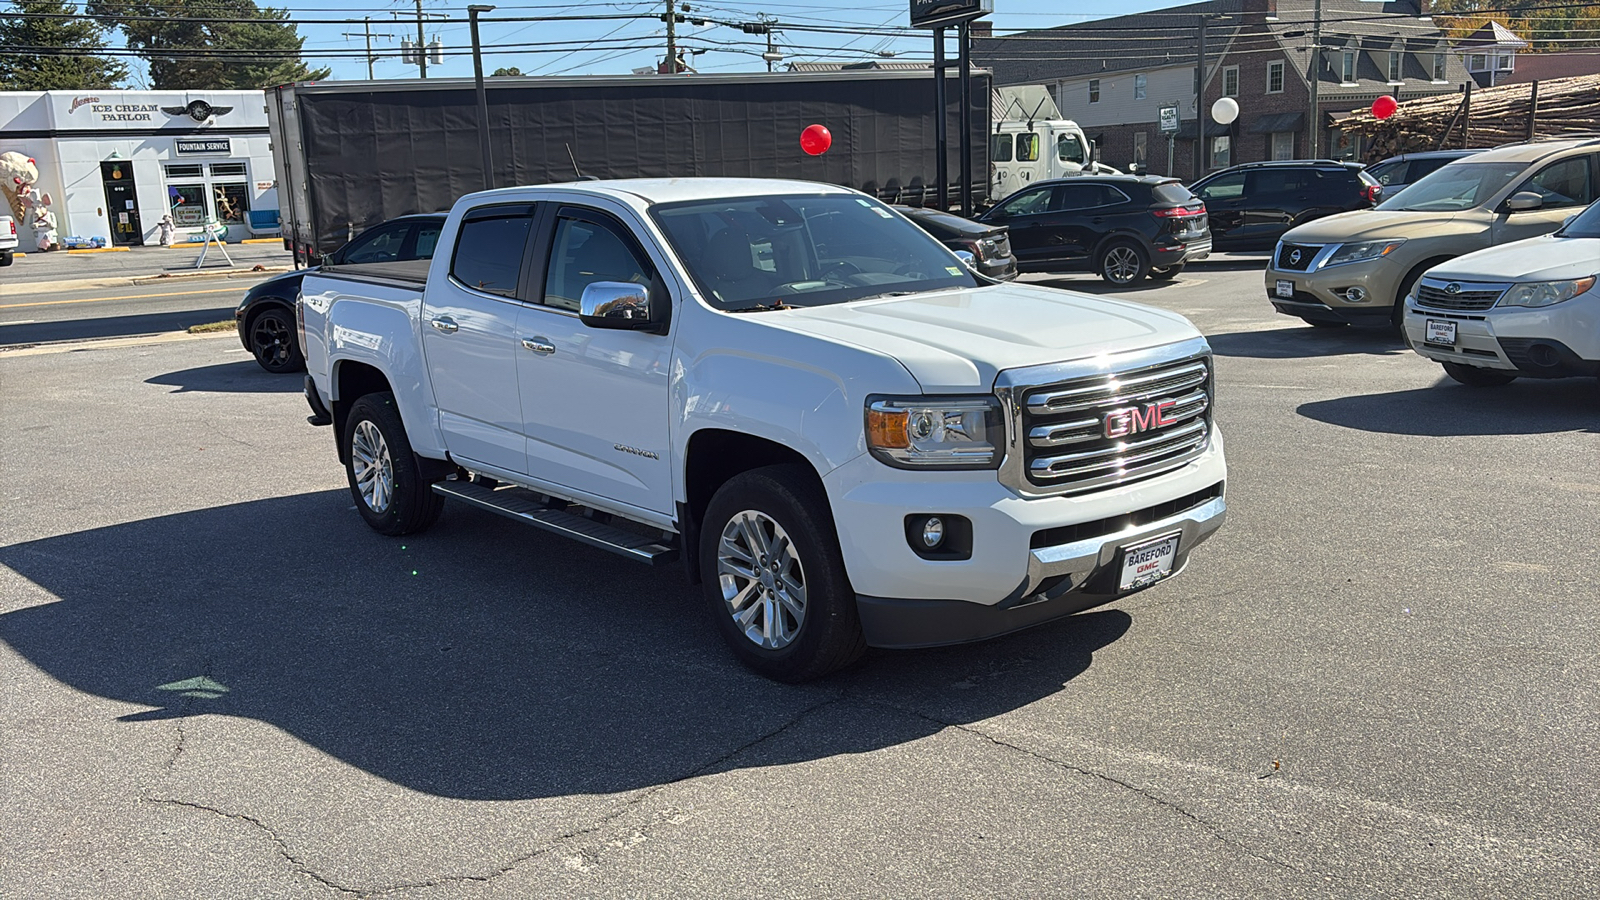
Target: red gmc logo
(1134, 419)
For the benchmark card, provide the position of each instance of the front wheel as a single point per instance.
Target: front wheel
(6, 256)
(273, 342)
(388, 484)
(774, 576)
(1473, 376)
(1123, 263)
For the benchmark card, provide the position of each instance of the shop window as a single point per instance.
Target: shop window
(1221, 152)
(226, 170)
(183, 171)
(1283, 145)
(1140, 149)
(1274, 77)
(232, 202)
(1027, 147)
(188, 203)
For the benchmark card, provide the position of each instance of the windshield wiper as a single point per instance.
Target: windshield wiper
(761, 307)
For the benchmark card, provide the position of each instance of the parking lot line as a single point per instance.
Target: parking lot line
(110, 299)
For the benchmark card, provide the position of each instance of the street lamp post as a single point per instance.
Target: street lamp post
(473, 12)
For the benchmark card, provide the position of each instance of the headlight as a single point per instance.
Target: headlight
(1544, 293)
(935, 432)
(1361, 252)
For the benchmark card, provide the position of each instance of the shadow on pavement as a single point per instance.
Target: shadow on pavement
(243, 377)
(476, 661)
(113, 326)
(1528, 406)
(1307, 343)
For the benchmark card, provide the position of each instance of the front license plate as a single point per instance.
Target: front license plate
(1285, 289)
(1147, 563)
(1441, 333)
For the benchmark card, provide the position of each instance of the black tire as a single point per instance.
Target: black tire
(1122, 263)
(1166, 274)
(827, 635)
(1473, 376)
(273, 341)
(1315, 324)
(6, 257)
(1397, 313)
(409, 504)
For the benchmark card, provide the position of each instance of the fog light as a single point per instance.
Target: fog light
(1355, 294)
(932, 532)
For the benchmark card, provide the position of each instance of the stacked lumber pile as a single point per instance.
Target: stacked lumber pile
(1499, 115)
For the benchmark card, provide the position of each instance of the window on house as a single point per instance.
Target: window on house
(1274, 77)
(226, 169)
(1283, 145)
(1094, 90)
(1140, 83)
(1230, 81)
(1438, 67)
(1477, 62)
(1395, 61)
(1347, 69)
(1221, 152)
(1504, 64)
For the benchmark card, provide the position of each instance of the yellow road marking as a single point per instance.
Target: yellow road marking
(109, 299)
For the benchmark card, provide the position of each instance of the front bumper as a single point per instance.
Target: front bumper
(1320, 294)
(1550, 342)
(1008, 582)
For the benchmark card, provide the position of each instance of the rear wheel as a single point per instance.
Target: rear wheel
(6, 256)
(387, 482)
(1123, 263)
(774, 576)
(1166, 274)
(272, 341)
(1474, 376)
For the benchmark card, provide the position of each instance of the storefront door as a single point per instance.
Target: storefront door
(122, 206)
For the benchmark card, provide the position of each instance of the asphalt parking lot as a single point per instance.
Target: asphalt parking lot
(1378, 680)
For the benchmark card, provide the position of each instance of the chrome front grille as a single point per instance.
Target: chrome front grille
(1096, 431)
(1464, 297)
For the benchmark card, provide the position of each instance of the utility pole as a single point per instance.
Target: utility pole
(422, 44)
(1316, 76)
(1200, 104)
(368, 30)
(672, 39)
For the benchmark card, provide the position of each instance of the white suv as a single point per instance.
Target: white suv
(1528, 308)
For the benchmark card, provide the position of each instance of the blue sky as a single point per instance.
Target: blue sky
(611, 54)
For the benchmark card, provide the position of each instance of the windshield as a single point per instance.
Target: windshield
(764, 252)
(1455, 187)
(1585, 225)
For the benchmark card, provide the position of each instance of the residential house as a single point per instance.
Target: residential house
(1491, 54)
(1113, 76)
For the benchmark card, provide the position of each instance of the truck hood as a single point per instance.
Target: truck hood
(1546, 258)
(958, 341)
(1368, 225)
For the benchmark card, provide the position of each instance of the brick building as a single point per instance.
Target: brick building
(1112, 76)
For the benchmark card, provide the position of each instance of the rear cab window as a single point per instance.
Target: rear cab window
(491, 247)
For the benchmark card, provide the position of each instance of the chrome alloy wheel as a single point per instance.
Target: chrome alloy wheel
(1121, 264)
(369, 457)
(763, 583)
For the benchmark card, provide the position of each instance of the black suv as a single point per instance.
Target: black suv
(1252, 205)
(988, 244)
(1123, 226)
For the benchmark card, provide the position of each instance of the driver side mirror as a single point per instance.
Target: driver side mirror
(623, 306)
(1524, 200)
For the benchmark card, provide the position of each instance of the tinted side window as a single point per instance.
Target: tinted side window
(1069, 148)
(1274, 184)
(1562, 184)
(1223, 187)
(1393, 172)
(1421, 167)
(489, 250)
(379, 245)
(583, 253)
(1027, 204)
(1000, 148)
(1172, 192)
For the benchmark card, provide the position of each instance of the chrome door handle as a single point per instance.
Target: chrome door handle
(445, 324)
(539, 344)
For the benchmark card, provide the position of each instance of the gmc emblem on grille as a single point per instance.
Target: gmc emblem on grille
(1134, 419)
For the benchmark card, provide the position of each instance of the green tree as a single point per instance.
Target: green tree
(503, 71)
(189, 48)
(70, 60)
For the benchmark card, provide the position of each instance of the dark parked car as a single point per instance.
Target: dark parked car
(265, 316)
(1396, 172)
(1253, 204)
(1122, 226)
(989, 245)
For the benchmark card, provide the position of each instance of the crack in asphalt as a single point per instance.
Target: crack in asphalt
(1211, 828)
(283, 847)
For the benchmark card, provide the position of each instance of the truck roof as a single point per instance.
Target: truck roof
(653, 191)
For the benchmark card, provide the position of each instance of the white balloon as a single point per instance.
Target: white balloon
(1224, 111)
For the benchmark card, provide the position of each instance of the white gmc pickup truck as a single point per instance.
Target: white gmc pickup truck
(848, 437)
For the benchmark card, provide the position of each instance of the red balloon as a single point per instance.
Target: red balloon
(1384, 106)
(816, 139)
